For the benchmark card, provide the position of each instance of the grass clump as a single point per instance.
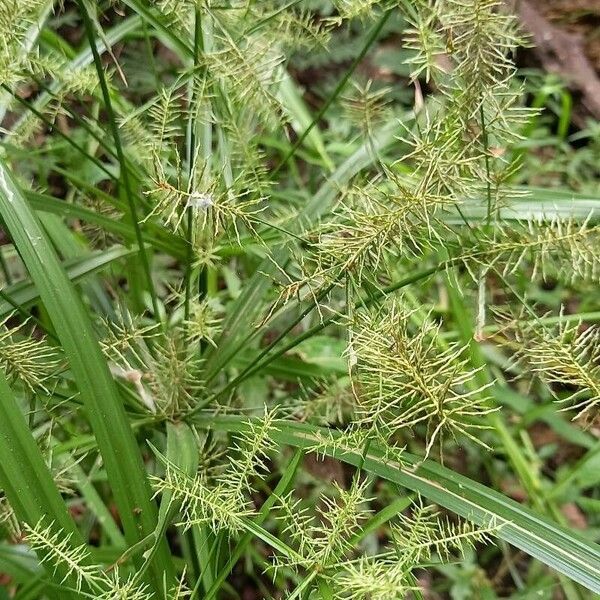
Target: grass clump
(254, 337)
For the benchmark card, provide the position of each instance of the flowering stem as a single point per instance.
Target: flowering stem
(338, 89)
(191, 160)
(89, 28)
(485, 140)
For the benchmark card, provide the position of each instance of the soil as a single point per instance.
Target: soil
(578, 17)
(566, 39)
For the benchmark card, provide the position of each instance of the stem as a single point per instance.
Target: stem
(271, 356)
(338, 89)
(488, 219)
(121, 158)
(191, 160)
(484, 137)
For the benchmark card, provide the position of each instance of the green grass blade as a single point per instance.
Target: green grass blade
(105, 411)
(301, 119)
(524, 203)
(25, 478)
(25, 293)
(124, 169)
(182, 451)
(95, 503)
(70, 246)
(19, 562)
(157, 237)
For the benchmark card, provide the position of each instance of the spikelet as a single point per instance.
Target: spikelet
(203, 323)
(55, 548)
(333, 404)
(565, 356)
(372, 578)
(349, 441)
(8, 518)
(444, 163)
(136, 136)
(323, 541)
(564, 248)
(247, 158)
(174, 376)
(425, 533)
(362, 9)
(475, 39)
(293, 30)
(119, 588)
(376, 224)
(168, 378)
(466, 47)
(165, 118)
(17, 22)
(67, 82)
(426, 42)
(124, 338)
(249, 454)
(27, 360)
(201, 503)
(221, 503)
(216, 207)
(297, 521)
(247, 43)
(417, 540)
(405, 378)
(366, 108)
(249, 71)
(179, 591)
(339, 518)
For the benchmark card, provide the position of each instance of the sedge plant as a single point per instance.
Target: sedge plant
(259, 339)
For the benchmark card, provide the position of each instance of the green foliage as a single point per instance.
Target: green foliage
(206, 264)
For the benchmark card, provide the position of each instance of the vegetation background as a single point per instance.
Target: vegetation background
(299, 299)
